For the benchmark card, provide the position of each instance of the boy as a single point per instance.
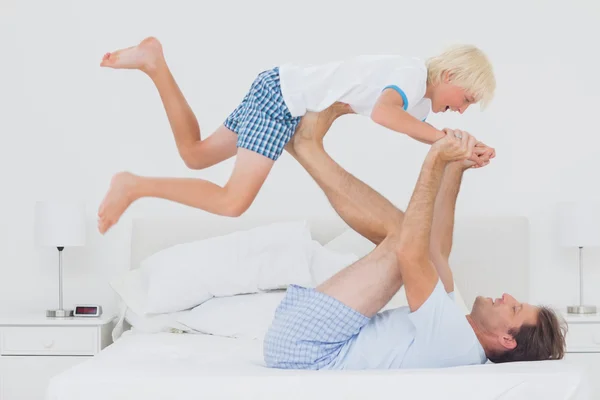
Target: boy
(395, 92)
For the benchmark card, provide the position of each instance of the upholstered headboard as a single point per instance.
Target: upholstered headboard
(490, 254)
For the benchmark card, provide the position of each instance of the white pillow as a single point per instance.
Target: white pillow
(132, 288)
(326, 262)
(155, 323)
(133, 294)
(351, 242)
(185, 275)
(250, 316)
(241, 316)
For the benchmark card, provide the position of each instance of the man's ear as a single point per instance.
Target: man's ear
(508, 342)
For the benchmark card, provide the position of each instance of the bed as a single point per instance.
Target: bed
(491, 255)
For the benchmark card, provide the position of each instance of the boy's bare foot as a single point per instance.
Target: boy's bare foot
(146, 56)
(119, 197)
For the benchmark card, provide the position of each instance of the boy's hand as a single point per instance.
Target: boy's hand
(455, 146)
(482, 154)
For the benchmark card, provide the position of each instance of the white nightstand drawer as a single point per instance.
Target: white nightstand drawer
(583, 337)
(49, 340)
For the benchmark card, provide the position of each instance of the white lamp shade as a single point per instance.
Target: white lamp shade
(59, 223)
(579, 224)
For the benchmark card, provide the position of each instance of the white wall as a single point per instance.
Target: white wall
(68, 125)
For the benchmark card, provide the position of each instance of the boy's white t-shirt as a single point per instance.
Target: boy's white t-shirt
(358, 82)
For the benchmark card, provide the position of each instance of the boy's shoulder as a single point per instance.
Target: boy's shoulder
(395, 58)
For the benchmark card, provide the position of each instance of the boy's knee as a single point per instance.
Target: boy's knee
(191, 160)
(235, 211)
(235, 207)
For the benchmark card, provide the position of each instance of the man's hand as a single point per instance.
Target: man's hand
(455, 146)
(484, 150)
(482, 153)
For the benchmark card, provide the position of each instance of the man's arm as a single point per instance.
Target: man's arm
(418, 272)
(443, 222)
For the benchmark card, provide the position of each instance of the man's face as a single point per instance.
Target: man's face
(497, 316)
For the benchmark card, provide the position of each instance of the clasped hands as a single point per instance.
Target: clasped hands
(481, 153)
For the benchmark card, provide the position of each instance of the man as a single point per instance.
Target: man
(338, 324)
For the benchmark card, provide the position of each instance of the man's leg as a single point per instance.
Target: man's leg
(362, 208)
(196, 153)
(369, 284)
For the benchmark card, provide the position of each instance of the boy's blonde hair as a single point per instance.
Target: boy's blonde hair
(470, 70)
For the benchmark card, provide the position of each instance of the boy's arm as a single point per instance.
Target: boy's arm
(389, 112)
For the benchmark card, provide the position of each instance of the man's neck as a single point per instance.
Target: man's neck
(480, 334)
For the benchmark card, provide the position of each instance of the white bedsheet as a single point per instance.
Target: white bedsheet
(184, 366)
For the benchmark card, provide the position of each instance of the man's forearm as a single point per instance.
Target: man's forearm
(361, 207)
(445, 206)
(416, 229)
(443, 224)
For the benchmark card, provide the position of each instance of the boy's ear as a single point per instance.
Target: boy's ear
(446, 76)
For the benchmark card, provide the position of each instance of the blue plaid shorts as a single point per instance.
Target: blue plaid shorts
(262, 121)
(309, 329)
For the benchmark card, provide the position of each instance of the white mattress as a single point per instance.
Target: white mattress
(185, 366)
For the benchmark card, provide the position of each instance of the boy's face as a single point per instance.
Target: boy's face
(449, 97)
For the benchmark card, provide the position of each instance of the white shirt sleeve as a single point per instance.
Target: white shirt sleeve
(442, 335)
(440, 325)
(410, 83)
(421, 110)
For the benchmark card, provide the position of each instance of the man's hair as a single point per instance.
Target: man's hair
(470, 69)
(543, 341)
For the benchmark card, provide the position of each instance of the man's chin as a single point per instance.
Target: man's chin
(478, 305)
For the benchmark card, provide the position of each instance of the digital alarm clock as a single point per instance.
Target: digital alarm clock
(87, 310)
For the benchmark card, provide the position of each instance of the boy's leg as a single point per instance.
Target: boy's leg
(196, 153)
(249, 173)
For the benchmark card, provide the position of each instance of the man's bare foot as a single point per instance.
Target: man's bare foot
(314, 126)
(119, 197)
(146, 56)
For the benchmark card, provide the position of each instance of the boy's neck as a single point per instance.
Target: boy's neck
(429, 90)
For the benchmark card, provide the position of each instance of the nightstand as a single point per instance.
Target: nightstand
(583, 345)
(34, 348)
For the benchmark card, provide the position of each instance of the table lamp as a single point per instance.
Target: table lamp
(579, 226)
(59, 224)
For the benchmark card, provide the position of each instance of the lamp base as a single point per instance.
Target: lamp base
(581, 309)
(59, 313)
